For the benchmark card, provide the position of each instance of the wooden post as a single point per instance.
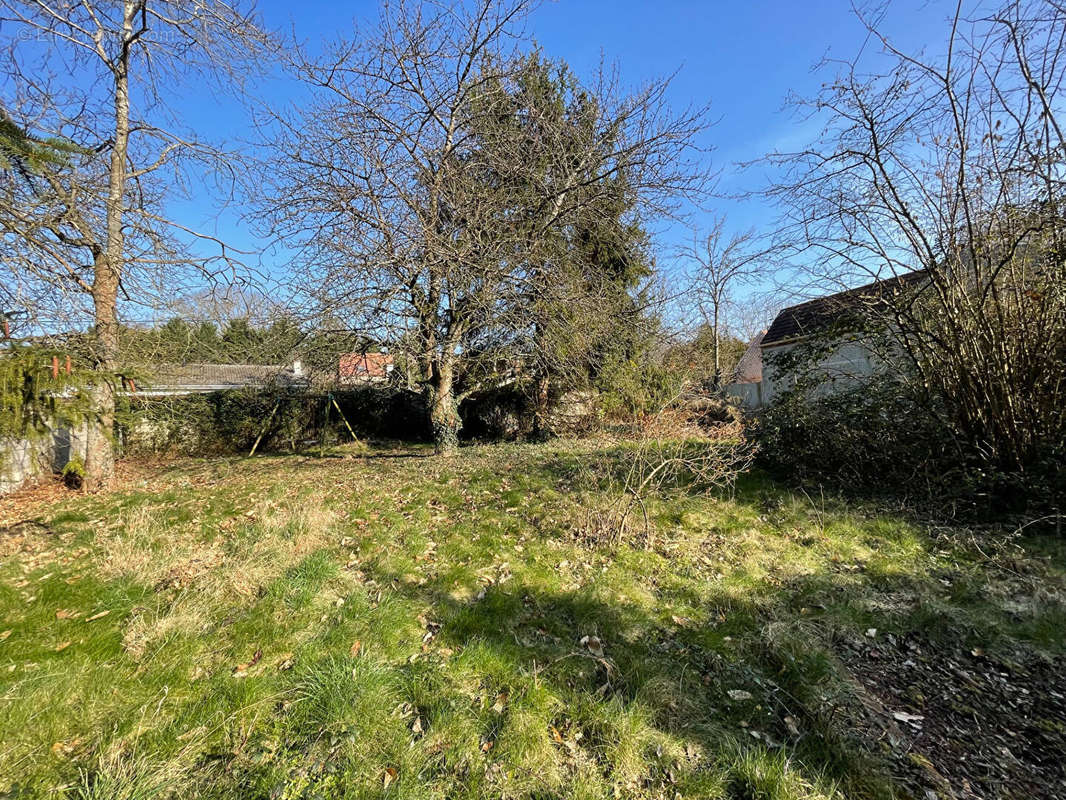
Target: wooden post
(322, 435)
(346, 425)
(266, 426)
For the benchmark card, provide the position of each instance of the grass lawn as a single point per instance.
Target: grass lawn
(397, 625)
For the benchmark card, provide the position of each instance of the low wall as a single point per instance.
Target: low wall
(749, 395)
(25, 460)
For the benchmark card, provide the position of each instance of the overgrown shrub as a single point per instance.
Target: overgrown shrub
(505, 414)
(232, 421)
(877, 439)
(631, 388)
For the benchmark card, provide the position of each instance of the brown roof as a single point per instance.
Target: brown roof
(364, 365)
(806, 319)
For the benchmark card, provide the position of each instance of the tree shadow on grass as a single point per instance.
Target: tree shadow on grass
(720, 695)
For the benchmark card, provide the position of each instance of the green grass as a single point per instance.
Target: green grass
(404, 626)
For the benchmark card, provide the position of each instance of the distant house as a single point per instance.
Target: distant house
(849, 359)
(184, 379)
(357, 368)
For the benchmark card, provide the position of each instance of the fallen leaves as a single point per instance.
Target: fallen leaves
(388, 776)
(432, 629)
(356, 648)
(593, 644)
(97, 616)
(241, 670)
(62, 646)
(65, 749)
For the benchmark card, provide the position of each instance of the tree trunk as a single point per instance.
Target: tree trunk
(717, 352)
(444, 419)
(540, 408)
(107, 269)
(99, 444)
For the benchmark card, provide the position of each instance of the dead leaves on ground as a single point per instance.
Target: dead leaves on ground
(241, 670)
(388, 776)
(593, 644)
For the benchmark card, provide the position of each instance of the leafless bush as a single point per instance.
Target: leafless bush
(942, 178)
(673, 449)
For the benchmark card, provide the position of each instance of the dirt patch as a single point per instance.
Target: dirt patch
(974, 725)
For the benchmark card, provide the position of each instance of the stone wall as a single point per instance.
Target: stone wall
(23, 461)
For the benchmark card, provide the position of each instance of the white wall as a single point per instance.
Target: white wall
(849, 364)
(747, 394)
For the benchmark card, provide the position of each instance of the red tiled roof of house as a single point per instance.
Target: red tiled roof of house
(364, 365)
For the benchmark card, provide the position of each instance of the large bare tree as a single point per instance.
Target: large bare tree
(428, 203)
(722, 263)
(953, 166)
(85, 233)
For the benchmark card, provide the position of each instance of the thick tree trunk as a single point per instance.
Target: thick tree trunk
(99, 445)
(107, 269)
(444, 418)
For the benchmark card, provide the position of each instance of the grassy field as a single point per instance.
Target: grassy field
(389, 624)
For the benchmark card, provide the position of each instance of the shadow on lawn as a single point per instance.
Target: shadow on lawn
(726, 690)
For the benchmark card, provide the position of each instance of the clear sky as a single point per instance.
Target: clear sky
(743, 57)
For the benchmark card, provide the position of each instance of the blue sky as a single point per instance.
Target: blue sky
(743, 57)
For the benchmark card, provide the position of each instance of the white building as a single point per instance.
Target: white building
(848, 358)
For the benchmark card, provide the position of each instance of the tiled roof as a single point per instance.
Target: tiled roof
(364, 365)
(749, 368)
(202, 377)
(806, 319)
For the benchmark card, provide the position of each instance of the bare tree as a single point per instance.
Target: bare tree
(84, 235)
(950, 171)
(723, 263)
(425, 218)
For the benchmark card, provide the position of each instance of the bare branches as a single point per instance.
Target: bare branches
(955, 167)
(722, 263)
(430, 187)
(88, 230)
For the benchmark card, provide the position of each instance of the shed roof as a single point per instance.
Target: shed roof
(806, 319)
(218, 377)
(749, 368)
